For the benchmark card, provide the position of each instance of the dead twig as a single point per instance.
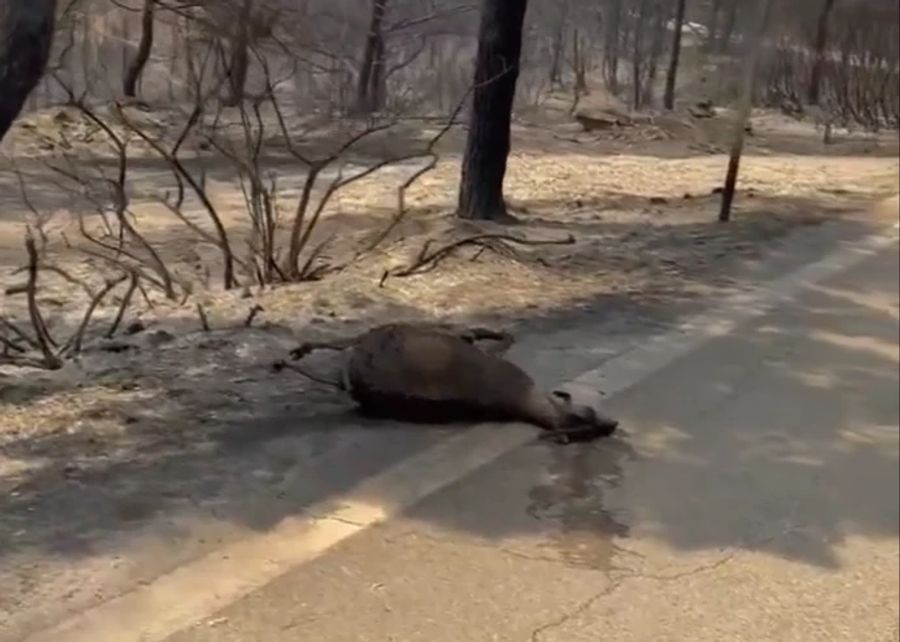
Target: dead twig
(254, 311)
(204, 321)
(9, 344)
(12, 327)
(402, 209)
(126, 301)
(44, 340)
(279, 366)
(74, 344)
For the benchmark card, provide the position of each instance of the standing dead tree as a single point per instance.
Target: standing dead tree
(815, 78)
(675, 57)
(744, 110)
(370, 90)
(488, 143)
(612, 44)
(142, 55)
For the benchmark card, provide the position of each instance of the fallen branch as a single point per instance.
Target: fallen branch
(428, 260)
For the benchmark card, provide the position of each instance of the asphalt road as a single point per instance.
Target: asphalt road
(753, 497)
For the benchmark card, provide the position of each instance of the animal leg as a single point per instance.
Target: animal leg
(279, 366)
(309, 347)
(504, 339)
(582, 434)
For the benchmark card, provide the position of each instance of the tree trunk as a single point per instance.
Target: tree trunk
(611, 47)
(558, 46)
(637, 56)
(671, 78)
(239, 57)
(815, 79)
(712, 25)
(370, 91)
(136, 68)
(579, 65)
(728, 30)
(26, 33)
(488, 144)
(660, 19)
(744, 110)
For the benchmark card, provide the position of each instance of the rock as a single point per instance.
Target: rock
(602, 120)
(134, 328)
(703, 109)
(117, 347)
(159, 337)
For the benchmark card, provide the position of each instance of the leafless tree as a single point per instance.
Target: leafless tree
(744, 109)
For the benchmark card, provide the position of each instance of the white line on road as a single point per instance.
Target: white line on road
(191, 593)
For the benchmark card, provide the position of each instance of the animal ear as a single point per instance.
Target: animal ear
(562, 394)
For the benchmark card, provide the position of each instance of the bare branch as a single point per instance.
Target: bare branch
(43, 338)
(73, 346)
(126, 301)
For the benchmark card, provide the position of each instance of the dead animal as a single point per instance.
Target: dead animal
(434, 374)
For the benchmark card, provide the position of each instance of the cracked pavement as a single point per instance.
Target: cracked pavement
(753, 495)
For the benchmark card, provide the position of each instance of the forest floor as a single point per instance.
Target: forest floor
(640, 203)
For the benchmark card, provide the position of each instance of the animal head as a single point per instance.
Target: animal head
(574, 414)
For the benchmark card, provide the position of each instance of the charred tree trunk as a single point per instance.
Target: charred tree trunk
(579, 65)
(660, 18)
(713, 25)
(744, 110)
(370, 90)
(672, 76)
(728, 30)
(611, 46)
(26, 33)
(557, 47)
(637, 56)
(487, 147)
(815, 78)
(239, 56)
(136, 68)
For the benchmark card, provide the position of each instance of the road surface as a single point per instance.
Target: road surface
(752, 495)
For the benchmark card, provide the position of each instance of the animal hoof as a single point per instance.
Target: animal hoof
(299, 353)
(608, 428)
(559, 438)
